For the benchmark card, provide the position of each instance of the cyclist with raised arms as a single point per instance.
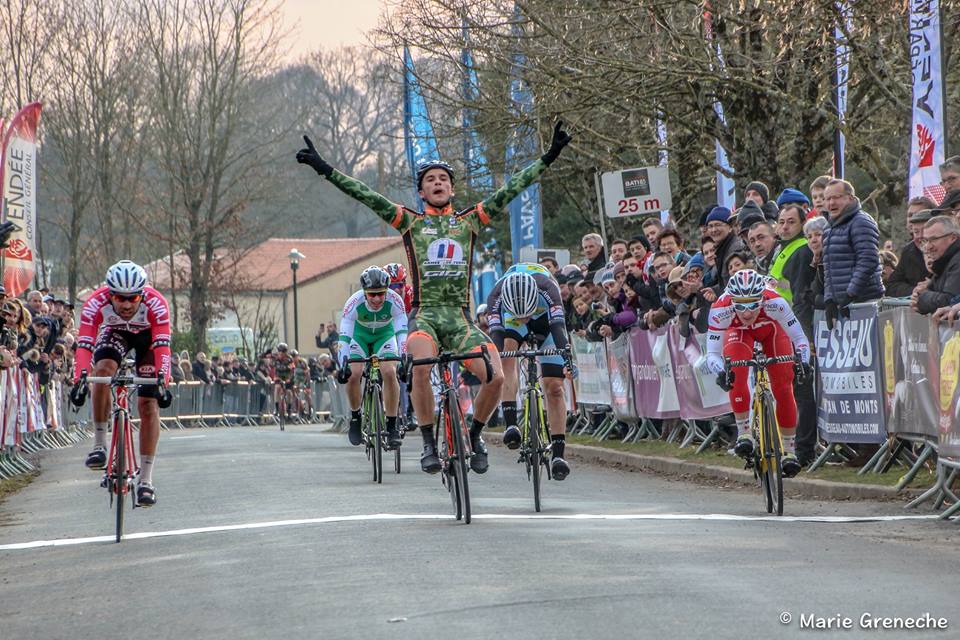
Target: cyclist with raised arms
(527, 300)
(750, 311)
(374, 322)
(439, 243)
(126, 314)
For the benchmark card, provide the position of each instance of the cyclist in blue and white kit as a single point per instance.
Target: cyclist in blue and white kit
(374, 322)
(526, 300)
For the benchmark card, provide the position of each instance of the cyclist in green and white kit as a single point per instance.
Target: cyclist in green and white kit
(374, 322)
(439, 243)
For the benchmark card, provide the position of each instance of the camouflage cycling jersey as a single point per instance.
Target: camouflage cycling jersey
(301, 372)
(439, 242)
(283, 367)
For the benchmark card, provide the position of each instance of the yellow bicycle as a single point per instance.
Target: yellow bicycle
(767, 455)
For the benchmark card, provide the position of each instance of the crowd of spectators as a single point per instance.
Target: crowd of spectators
(820, 252)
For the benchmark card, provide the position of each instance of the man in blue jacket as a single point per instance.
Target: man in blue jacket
(851, 252)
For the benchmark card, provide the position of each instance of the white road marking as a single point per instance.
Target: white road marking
(185, 437)
(719, 517)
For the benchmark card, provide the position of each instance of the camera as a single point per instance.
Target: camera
(8, 338)
(6, 230)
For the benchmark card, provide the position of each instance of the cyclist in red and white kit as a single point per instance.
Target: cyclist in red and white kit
(748, 312)
(126, 314)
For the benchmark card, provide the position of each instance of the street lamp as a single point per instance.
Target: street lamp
(295, 257)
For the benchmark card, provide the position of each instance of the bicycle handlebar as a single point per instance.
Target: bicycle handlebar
(761, 364)
(534, 354)
(377, 358)
(446, 358)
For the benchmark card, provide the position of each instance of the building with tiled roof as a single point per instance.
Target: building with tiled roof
(259, 282)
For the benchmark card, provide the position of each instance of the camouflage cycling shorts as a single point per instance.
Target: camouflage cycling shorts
(450, 328)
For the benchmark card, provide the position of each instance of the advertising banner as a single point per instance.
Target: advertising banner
(592, 383)
(915, 369)
(621, 391)
(949, 391)
(19, 203)
(849, 385)
(700, 397)
(927, 143)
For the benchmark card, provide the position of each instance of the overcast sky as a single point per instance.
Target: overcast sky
(328, 23)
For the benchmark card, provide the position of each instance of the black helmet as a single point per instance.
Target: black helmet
(374, 279)
(423, 167)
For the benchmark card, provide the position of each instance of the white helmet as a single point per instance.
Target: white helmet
(519, 294)
(126, 277)
(481, 309)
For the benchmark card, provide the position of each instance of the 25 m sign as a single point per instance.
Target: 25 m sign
(632, 192)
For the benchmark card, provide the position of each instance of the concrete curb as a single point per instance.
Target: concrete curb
(805, 487)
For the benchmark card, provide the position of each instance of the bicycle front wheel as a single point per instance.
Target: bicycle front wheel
(536, 455)
(118, 474)
(772, 454)
(377, 435)
(461, 453)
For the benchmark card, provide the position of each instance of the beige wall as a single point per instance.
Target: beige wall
(319, 301)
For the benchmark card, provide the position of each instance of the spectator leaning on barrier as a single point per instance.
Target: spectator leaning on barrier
(720, 229)
(201, 371)
(709, 250)
(763, 241)
(911, 270)
(638, 248)
(941, 244)
(851, 246)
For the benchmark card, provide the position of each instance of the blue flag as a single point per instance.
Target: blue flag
(525, 218)
(418, 139)
(841, 75)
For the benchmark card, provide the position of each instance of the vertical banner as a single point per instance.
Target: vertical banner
(850, 382)
(949, 392)
(525, 219)
(662, 155)
(621, 391)
(20, 198)
(478, 175)
(726, 187)
(840, 79)
(418, 140)
(927, 140)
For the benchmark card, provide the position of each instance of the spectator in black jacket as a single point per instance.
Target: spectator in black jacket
(719, 228)
(911, 270)
(592, 247)
(792, 265)
(941, 245)
(201, 368)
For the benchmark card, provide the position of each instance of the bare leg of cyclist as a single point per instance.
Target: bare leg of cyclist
(102, 401)
(420, 345)
(508, 396)
(484, 404)
(557, 420)
(149, 437)
(353, 397)
(391, 402)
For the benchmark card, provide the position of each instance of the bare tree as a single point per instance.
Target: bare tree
(206, 59)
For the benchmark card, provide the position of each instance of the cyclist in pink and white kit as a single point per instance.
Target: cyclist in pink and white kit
(126, 314)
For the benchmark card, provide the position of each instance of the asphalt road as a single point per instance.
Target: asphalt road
(263, 534)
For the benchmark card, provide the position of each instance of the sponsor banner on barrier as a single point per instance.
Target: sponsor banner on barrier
(618, 364)
(593, 383)
(949, 391)
(849, 385)
(911, 364)
(652, 392)
(700, 397)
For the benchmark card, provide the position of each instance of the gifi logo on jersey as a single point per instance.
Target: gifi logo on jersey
(444, 253)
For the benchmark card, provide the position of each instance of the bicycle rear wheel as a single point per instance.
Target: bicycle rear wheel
(118, 480)
(536, 456)
(461, 453)
(283, 409)
(773, 453)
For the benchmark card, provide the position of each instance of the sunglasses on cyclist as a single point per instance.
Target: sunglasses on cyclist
(746, 306)
(375, 294)
(119, 297)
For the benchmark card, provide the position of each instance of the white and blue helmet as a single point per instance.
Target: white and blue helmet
(126, 277)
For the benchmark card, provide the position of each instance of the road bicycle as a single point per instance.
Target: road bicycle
(119, 477)
(768, 453)
(535, 444)
(374, 422)
(453, 435)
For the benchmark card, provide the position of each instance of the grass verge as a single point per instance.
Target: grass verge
(10, 486)
(720, 458)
